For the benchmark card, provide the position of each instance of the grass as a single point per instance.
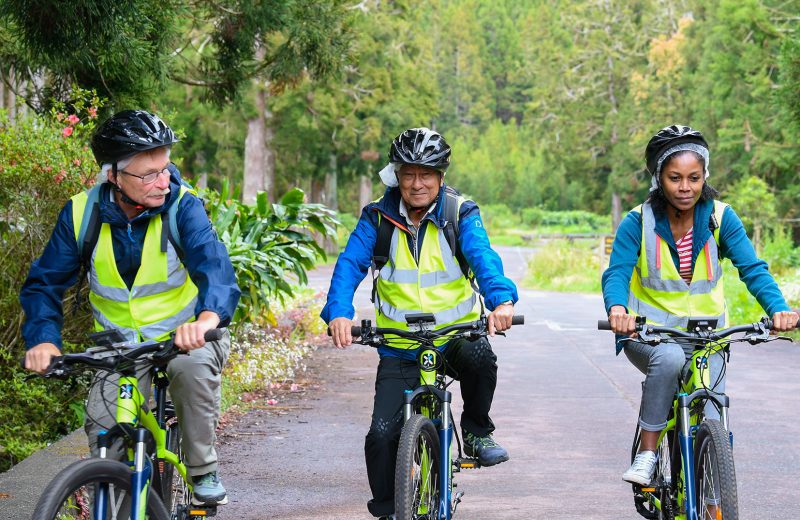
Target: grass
(565, 266)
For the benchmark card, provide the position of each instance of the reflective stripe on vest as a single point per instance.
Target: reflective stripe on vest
(657, 290)
(162, 297)
(436, 285)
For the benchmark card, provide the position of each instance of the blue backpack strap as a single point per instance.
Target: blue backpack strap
(451, 216)
(90, 225)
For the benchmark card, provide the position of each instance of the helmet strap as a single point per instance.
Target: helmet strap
(122, 195)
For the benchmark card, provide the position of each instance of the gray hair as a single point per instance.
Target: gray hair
(121, 165)
(683, 147)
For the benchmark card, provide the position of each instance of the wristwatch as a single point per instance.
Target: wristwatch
(507, 302)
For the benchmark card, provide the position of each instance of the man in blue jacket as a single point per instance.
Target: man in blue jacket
(422, 273)
(140, 285)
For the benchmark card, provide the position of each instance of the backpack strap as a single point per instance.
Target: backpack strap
(451, 205)
(380, 254)
(90, 226)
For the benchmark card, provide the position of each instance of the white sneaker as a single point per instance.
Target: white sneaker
(642, 469)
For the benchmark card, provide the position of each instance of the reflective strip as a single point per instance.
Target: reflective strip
(658, 316)
(680, 285)
(169, 324)
(175, 279)
(131, 335)
(441, 317)
(451, 273)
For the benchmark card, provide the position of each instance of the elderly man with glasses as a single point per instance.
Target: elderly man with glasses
(142, 286)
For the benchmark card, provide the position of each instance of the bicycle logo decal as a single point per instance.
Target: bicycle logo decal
(701, 363)
(126, 392)
(428, 361)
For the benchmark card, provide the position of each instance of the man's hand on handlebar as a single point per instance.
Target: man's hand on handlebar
(190, 336)
(784, 320)
(500, 318)
(621, 322)
(38, 357)
(341, 333)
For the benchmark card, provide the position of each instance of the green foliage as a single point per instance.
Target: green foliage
(44, 162)
(565, 266)
(270, 246)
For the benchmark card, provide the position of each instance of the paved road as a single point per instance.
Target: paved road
(565, 408)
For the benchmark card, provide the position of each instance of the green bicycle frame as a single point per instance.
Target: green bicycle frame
(687, 416)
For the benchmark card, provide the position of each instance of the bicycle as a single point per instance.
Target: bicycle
(695, 477)
(425, 466)
(147, 485)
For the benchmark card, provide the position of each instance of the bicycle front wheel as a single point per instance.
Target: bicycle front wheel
(715, 474)
(417, 479)
(70, 495)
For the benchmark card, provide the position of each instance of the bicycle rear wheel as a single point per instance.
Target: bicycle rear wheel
(716, 477)
(417, 479)
(70, 495)
(167, 480)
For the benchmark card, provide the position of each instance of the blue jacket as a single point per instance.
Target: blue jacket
(733, 244)
(57, 269)
(353, 264)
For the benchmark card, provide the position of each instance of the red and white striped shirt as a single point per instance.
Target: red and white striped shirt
(685, 256)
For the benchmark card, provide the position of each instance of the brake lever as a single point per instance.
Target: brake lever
(760, 337)
(646, 337)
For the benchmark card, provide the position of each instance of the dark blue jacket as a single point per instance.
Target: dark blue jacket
(733, 244)
(354, 262)
(57, 269)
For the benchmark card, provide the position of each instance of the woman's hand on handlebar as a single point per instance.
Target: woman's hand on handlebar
(500, 318)
(341, 332)
(190, 336)
(784, 320)
(621, 322)
(38, 358)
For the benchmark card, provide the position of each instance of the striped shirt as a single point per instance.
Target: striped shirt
(685, 256)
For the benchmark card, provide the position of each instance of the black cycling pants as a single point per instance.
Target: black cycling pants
(471, 362)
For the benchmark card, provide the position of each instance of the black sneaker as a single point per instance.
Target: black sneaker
(485, 449)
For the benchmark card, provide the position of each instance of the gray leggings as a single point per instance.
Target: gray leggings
(195, 390)
(662, 365)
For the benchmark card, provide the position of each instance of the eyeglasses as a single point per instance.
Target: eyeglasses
(148, 178)
(425, 176)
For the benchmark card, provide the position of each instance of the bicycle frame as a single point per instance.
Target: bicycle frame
(430, 386)
(696, 387)
(131, 412)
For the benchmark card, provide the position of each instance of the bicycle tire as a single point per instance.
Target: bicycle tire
(715, 485)
(416, 477)
(68, 495)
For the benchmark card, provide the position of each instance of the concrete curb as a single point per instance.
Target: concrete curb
(21, 486)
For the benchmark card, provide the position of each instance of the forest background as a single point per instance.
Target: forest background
(548, 106)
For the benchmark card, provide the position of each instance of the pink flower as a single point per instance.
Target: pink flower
(60, 177)
(66, 132)
(92, 112)
(272, 402)
(73, 119)
(76, 162)
(60, 116)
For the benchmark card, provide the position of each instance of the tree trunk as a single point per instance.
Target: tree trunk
(331, 197)
(616, 211)
(255, 155)
(364, 190)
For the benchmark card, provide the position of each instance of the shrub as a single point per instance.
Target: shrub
(43, 161)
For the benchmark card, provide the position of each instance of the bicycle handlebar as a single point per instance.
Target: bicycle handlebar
(165, 350)
(764, 326)
(356, 331)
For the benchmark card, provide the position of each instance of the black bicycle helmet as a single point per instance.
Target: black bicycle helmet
(668, 137)
(129, 132)
(421, 146)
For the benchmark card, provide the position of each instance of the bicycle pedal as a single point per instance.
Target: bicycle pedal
(467, 463)
(201, 512)
(648, 490)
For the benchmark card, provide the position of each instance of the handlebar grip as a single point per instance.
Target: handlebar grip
(355, 331)
(603, 325)
(213, 334)
(518, 319)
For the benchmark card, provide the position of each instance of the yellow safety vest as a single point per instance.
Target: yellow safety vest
(657, 290)
(436, 284)
(162, 297)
